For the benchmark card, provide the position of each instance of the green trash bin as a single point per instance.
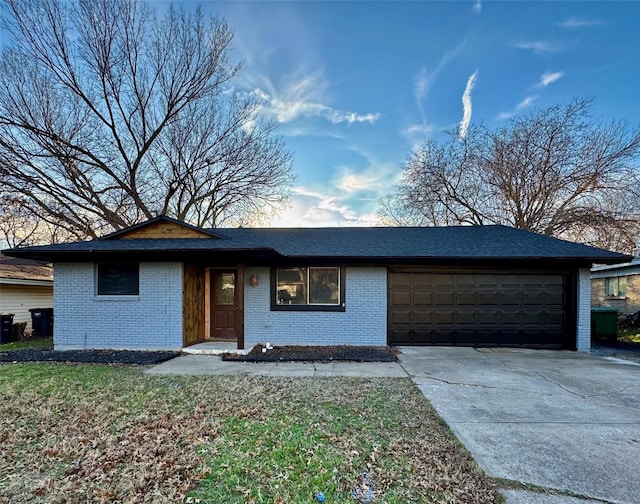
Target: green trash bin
(604, 323)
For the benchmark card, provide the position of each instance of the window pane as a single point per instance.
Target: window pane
(291, 285)
(118, 279)
(616, 286)
(225, 288)
(622, 286)
(324, 286)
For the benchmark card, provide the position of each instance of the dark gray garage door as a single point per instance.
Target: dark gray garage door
(477, 309)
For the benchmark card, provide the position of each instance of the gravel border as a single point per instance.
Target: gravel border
(143, 358)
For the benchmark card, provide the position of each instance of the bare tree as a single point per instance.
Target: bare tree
(20, 227)
(554, 171)
(109, 116)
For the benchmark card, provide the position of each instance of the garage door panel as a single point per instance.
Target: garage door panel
(485, 309)
(422, 298)
(488, 298)
(444, 280)
(533, 298)
(422, 280)
(554, 298)
(535, 317)
(443, 317)
(467, 298)
(444, 298)
(511, 298)
(400, 280)
(401, 298)
(510, 317)
(466, 317)
(423, 317)
(488, 317)
(401, 317)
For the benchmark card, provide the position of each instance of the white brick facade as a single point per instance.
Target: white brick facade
(364, 322)
(583, 324)
(152, 320)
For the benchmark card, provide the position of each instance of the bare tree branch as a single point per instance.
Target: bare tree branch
(555, 171)
(109, 115)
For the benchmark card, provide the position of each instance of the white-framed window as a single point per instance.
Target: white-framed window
(118, 279)
(616, 287)
(308, 288)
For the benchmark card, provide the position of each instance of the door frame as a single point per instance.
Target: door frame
(238, 269)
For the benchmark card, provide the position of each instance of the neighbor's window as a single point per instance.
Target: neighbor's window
(118, 279)
(616, 287)
(311, 288)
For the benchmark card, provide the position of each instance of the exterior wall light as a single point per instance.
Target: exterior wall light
(254, 281)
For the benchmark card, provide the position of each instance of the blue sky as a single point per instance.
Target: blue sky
(356, 85)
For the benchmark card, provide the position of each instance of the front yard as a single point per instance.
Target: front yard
(93, 433)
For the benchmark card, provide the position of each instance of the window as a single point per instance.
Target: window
(616, 287)
(118, 279)
(308, 288)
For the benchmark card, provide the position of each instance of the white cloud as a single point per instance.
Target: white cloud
(418, 129)
(526, 102)
(349, 199)
(467, 105)
(579, 22)
(371, 183)
(539, 46)
(315, 209)
(477, 7)
(302, 96)
(424, 79)
(550, 77)
(519, 107)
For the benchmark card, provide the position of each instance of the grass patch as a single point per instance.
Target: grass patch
(93, 433)
(32, 343)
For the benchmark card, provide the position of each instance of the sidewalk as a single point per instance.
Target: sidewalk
(214, 365)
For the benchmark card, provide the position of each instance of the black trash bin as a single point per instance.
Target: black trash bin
(6, 327)
(42, 322)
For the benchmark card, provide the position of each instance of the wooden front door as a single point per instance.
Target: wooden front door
(224, 305)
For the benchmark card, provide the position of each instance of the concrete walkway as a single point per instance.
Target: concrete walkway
(562, 420)
(214, 365)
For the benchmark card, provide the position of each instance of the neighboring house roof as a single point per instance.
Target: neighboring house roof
(610, 270)
(19, 271)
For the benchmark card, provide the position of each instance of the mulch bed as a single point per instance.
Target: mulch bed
(294, 353)
(144, 358)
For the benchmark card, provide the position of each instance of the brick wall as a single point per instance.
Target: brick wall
(151, 320)
(629, 304)
(583, 326)
(364, 322)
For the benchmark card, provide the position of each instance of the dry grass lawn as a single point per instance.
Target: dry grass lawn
(90, 433)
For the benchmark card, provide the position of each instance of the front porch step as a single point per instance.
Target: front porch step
(214, 348)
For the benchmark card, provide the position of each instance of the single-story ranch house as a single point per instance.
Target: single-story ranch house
(24, 285)
(164, 284)
(617, 286)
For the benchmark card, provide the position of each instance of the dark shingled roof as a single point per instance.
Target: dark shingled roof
(488, 242)
(366, 244)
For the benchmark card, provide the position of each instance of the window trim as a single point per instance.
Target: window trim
(607, 281)
(116, 295)
(273, 287)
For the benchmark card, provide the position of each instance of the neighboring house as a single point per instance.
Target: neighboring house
(166, 285)
(24, 284)
(617, 285)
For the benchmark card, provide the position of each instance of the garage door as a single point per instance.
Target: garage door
(477, 309)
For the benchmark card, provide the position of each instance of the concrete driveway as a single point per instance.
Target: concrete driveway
(557, 419)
